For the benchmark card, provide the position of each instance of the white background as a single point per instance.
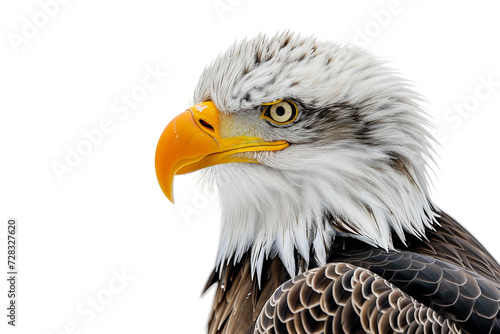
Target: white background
(108, 214)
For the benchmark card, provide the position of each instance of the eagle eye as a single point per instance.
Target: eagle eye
(280, 112)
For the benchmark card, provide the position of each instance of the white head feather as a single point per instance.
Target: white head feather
(357, 163)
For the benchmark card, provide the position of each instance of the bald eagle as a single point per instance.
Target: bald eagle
(320, 155)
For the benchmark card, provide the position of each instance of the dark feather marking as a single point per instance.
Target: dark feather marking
(398, 163)
(339, 120)
(258, 57)
(285, 42)
(340, 222)
(246, 97)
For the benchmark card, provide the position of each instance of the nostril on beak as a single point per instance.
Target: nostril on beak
(206, 125)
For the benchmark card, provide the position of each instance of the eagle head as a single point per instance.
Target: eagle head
(305, 140)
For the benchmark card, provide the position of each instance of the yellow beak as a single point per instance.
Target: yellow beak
(191, 141)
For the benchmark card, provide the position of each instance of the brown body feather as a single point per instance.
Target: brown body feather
(238, 299)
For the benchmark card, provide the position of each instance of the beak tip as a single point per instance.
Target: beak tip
(166, 183)
(168, 191)
(171, 199)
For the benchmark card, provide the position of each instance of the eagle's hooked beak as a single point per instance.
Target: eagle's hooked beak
(192, 141)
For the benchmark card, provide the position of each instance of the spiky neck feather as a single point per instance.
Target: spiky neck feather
(357, 160)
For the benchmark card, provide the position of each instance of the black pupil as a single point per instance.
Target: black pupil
(280, 111)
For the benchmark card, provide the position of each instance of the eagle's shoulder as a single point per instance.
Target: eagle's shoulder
(449, 276)
(452, 243)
